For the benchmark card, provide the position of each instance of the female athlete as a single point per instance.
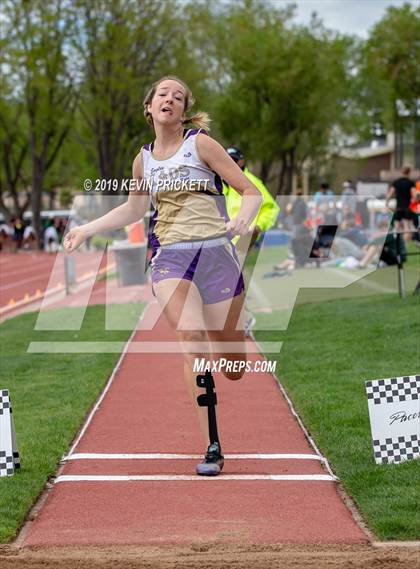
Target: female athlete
(195, 273)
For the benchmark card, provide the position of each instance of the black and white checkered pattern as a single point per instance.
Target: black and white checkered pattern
(16, 459)
(396, 450)
(9, 455)
(4, 401)
(6, 464)
(394, 389)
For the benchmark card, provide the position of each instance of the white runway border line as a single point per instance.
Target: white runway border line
(156, 347)
(183, 477)
(173, 456)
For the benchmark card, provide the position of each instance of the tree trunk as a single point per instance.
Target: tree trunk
(51, 197)
(290, 171)
(36, 198)
(265, 170)
(281, 176)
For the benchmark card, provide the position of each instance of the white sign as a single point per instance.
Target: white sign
(394, 411)
(9, 455)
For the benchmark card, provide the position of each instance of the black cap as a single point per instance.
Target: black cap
(235, 153)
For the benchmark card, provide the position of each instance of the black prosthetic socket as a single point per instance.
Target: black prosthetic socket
(209, 400)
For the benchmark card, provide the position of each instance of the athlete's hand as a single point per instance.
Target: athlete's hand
(238, 225)
(74, 238)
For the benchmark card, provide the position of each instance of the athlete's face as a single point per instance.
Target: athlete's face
(168, 103)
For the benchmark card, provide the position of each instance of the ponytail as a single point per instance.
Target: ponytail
(200, 120)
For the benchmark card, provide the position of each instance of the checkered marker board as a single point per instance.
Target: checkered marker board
(394, 411)
(9, 455)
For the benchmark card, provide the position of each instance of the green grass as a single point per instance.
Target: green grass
(330, 349)
(336, 283)
(51, 395)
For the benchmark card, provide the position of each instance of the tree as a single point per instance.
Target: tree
(392, 61)
(13, 138)
(284, 86)
(393, 53)
(122, 50)
(14, 152)
(37, 60)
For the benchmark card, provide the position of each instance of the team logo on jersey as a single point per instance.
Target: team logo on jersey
(174, 173)
(154, 170)
(187, 155)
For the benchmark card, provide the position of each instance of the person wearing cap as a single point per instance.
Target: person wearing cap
(323, 196)
(325, 207)
(264, 220)
(268, 212)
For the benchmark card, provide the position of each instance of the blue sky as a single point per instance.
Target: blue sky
(346, 16)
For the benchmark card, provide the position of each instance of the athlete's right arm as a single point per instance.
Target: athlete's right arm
(130, 211)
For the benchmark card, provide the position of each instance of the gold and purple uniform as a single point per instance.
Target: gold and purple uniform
(188, 227)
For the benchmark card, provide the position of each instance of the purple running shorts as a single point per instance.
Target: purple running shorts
(212, 265)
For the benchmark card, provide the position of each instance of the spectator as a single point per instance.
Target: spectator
(268, 212)
(350, 230)
(302, 245)
(343, 248)
(386, 248)
(299, 211)
(323, 195)
(325, 205)
(6, 235)
(404, 191)
(330, 214)
(18, 229)
(348, 196)
(362, 211)
(29, 238)
(60, 225)
(51, 238)
(415, 208)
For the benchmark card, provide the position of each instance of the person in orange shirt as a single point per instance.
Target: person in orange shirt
(415, 208)
(415, 200)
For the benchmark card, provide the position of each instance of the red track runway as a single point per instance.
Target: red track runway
(151, 498)
(25, 273)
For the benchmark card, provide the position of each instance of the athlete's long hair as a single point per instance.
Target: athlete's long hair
(200, 119)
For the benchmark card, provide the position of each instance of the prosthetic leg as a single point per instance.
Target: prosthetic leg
(213, 460)
(209, 400)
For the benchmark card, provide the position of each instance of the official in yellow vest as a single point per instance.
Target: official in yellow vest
(268, 212)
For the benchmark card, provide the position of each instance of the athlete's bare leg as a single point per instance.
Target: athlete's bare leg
(222, 319)
(186, 319)
(195, 323)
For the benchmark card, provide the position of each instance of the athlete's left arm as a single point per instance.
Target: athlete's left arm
(217, 159)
